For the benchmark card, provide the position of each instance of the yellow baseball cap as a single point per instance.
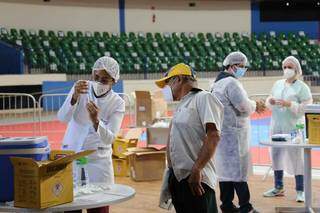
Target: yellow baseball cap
(178, 69)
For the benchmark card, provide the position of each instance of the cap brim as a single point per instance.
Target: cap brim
(161, 82)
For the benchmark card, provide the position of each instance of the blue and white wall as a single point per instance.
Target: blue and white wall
(311, 28)
(144, 15)
(116, 15)
(177, 16)
(60, 15)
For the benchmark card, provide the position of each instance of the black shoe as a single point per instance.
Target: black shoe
(250, 210)
(233, 209)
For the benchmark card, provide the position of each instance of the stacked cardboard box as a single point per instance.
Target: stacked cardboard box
(149, 106)
(142, 164)
(157, 135)
(146, 164)
(120, 146)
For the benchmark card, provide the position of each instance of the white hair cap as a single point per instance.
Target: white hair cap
(295, 61)
(235, 58)
(108, 64)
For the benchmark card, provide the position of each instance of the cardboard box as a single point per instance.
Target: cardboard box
(56, 154)
(42, 184)
(120, 167)
(132, 133)
(157, 135)
(146, 164)
(149, 106)
(126, 140)
(120, 146)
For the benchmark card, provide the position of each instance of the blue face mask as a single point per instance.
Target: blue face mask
(240, 71)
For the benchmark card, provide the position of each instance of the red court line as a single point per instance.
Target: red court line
(266, 114)
(54, 130)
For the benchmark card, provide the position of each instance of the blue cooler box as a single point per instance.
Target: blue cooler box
(27, 147)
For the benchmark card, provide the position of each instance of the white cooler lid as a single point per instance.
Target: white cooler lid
(22, 140)
(31, 151)
(312, 108)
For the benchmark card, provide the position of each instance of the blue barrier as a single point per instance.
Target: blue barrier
(11, 59)
(53, 103)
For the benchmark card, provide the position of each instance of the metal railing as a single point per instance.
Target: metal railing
(17, 114)
(49, 125)
(312, 80)
(129, 108)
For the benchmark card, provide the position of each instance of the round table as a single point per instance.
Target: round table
(116, 194)
(307, 172)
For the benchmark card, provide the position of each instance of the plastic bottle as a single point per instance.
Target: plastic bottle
(82, 176)
(300, 132)
(293, 134)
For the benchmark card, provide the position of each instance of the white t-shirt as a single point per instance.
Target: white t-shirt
(188, 131)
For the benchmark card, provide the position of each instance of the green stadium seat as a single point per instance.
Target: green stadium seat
(70, 34)
(158, 37)
(79, 34)
(97, 35)
(227, 36)
(51, 34)
(105, 35)
(14, 32)
(155, 51)
(175, 37)
(4, 31)
(201, 37)
(149, 37)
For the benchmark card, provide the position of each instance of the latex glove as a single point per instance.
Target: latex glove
(272, 101)
(283, 103)
(93, 112)
(81, 87)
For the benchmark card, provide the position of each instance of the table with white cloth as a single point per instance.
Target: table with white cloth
(307, 174)
(117, 193)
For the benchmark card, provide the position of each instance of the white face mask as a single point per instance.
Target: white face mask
(288, 73)
(167, 93)
(100, 89)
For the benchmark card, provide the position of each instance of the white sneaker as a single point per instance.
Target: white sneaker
(300, 196)
(274, 192)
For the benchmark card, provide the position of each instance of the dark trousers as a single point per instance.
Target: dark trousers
(278, 180)
(227, 194)
(185, 202)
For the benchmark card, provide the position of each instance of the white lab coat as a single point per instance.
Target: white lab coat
(81, 135)
(284, 120)
(232, 158)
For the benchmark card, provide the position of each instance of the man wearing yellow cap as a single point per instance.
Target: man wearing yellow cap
(194, 135)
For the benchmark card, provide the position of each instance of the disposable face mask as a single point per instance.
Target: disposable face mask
(167, 93)
(100, 89)
(240, 71)
(288, 73)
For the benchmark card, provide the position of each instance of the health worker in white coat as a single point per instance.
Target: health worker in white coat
(287, 100)
(232, 159)
(94, 114)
